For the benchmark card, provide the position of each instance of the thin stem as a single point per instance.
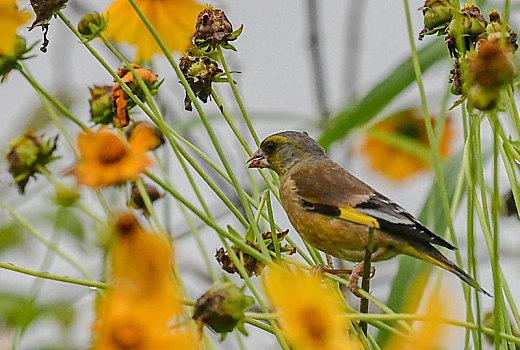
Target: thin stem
(46, 275)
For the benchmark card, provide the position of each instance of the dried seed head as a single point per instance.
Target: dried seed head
(45, 9)
(200, 72)
(213, 28)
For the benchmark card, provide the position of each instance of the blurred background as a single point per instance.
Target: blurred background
(300, 64)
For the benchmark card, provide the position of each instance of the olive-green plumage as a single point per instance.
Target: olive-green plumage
(332, 209)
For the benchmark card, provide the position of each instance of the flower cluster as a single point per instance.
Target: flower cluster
(482, 50)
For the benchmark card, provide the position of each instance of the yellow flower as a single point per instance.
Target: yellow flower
(394, 162)
(140, 309)
(106, 159)
(173, 20)
(430, 334)
(10, 20)
(312, 316)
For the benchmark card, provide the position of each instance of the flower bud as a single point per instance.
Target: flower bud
(483, 98)
(10, 62)
(92, 25)
(222, 307)
(469, 21)
(101, 111)
(437, 13)
(200, 72)
(26, 155)
(66, 196)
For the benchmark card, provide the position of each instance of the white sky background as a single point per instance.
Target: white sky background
(276, 84)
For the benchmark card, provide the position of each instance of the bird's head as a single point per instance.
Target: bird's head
(283, 150)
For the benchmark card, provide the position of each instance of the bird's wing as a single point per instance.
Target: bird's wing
(328, 189)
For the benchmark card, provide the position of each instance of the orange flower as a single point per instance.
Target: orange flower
(394, 162)
(173, 20)
(312, 316)
(106, 159)
(137, 311)
(10, 20)
(120, 98)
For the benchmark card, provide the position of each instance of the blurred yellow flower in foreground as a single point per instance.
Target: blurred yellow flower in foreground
(137, 311)
(173, 20)
(312, 316)
(106, 159)
(430, 334)
(396, 163)
(10, 20)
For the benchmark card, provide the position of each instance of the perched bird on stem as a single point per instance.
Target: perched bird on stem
(332, 209)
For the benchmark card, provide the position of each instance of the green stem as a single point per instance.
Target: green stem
(46, 275)
(237, 96)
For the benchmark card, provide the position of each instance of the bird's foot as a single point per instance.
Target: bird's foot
(354, 278)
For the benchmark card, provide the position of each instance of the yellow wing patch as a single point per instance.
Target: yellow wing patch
(351, 214)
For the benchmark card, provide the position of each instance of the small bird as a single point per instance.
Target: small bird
(333, 210)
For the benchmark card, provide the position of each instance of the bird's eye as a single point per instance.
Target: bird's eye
(269, 147)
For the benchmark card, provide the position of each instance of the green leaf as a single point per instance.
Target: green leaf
(361, 112)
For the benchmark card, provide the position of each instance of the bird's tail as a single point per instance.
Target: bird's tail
(428, 253)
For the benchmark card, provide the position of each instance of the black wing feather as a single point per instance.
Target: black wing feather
(394, 219)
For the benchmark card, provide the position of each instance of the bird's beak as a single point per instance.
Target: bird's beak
(258, 160)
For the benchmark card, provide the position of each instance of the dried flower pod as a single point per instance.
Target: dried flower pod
(10, 62)
(200, 72)
(146, 134)
(92, 25)
(101, 111)
(492, 65)
(483, 98)
(251, 265)
(27, 154)
(213, 28)
(456, 79)
(138, 201)
(45, 9)
(222, 307)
